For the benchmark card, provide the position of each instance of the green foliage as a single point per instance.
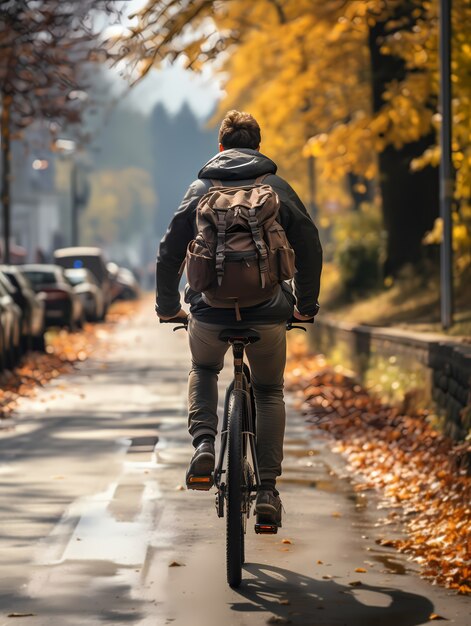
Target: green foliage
(359, 267)
(359, 246)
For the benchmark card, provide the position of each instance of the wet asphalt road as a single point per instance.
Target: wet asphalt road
(95, 527)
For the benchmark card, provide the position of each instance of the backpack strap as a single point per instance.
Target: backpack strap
(221, 244)
(259, 180)
(259, 244)
(216, 183)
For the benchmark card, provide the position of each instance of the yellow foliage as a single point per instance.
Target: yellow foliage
(302, 68)
(121, 202)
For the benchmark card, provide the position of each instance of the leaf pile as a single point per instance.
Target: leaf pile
(63, 350)
(401, 455)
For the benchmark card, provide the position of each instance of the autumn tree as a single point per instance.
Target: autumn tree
(352, 83)
(44, 46)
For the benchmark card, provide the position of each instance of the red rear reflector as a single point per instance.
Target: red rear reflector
(200, 479)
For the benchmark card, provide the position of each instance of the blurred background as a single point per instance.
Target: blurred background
(110, 108)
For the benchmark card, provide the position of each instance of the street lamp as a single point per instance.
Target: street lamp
(446, 168)
(78, 197)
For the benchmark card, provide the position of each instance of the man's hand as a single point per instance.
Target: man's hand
(300, 317)
(183, 315)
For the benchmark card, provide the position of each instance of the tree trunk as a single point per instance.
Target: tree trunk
(6, 174)
(410, 204)
(410, 200)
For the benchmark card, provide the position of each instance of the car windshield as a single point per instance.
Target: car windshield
(13, 279)
(38, 277)
(93, 263)
(6, 284)
(19, 280)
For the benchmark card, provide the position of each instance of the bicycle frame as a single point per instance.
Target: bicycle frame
(240, 383)
(238, 435)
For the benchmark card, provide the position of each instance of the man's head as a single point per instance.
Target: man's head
(239, 130)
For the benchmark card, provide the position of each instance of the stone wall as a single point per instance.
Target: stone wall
(417, 370)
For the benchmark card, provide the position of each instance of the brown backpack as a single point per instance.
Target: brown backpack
(241, 252)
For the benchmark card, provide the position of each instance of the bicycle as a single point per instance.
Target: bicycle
(236, 474)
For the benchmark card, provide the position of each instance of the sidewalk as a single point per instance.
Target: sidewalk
(96, 528)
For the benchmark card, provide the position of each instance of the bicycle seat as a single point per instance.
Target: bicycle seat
(245, 335)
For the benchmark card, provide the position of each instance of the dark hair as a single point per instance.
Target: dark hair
(239, 130)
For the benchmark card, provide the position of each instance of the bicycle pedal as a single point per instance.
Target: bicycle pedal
(266, 529)
(200, 483)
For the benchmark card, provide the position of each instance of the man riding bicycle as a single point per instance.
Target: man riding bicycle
(240, 164)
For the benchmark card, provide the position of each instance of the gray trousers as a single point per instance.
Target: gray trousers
(267, 359)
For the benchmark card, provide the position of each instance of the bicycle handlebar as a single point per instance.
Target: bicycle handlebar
(182, 321)
(294, 320)
(290, 324)
(175, 320)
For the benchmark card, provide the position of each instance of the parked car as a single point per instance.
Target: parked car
(89, 258)
(88, 290)
(63, 306)
(124, 285)
(130, 289)
(32, 307)
(10, 322)
(116, 287)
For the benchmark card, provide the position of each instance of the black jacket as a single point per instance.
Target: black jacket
(241, 166)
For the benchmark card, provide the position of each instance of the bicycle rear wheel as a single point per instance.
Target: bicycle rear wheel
(235, 477)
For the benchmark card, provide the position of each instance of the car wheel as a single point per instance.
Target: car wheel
(18, 354)
(81, 322)
(39, 343)
(10, 360)
(71, 324)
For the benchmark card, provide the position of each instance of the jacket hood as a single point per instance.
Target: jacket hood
(237, 164)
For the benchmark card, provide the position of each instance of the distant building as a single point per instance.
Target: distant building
(40, 199)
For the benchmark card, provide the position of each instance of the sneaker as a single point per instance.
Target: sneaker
(268, 507)
(201, 469)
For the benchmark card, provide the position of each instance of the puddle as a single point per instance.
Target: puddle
(360, 500)
(143, 444)
(296, 442)
(100, 528)
(299, 453)
(393, 566)
(323, 485)
(126, 502)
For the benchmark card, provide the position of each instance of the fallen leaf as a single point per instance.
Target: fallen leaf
(285, 602)
(286, 541)
(336, 514)
(327, 577)
(176, 564)
(179, 488)
(360, 570)
(435, 616)
(319, 562)
(355, 583)
(21, 614)
(423, 476)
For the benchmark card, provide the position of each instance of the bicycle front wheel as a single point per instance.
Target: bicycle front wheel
(234, 521)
